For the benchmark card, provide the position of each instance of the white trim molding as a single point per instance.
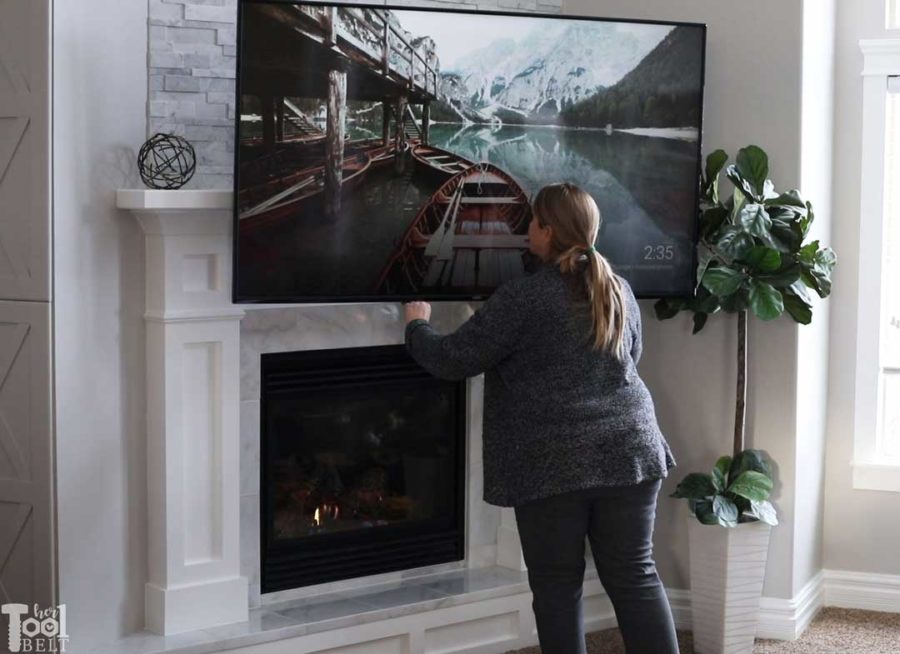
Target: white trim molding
(787, 619)
(862, 590)
(870, 469)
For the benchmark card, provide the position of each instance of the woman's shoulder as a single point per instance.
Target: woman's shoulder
(626, 288)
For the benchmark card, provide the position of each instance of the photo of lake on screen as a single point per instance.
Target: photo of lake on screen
(392, 153)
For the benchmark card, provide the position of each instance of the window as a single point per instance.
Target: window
(876, 464)
(893, 14)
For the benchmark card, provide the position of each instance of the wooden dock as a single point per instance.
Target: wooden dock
(336, 53)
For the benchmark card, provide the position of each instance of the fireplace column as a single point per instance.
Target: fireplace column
(193, 377)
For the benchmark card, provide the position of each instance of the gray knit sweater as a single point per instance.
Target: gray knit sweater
(558, 415)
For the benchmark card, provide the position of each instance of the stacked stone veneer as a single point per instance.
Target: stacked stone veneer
(192, 56)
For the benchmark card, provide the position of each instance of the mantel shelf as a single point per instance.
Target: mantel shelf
(175, 200)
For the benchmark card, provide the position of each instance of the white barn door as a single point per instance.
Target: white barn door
(27, 541)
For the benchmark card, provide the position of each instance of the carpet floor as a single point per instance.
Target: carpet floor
(833, 631)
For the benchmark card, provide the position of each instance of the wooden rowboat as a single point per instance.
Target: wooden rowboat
(439, 163)
(470, 236)
(274, 200)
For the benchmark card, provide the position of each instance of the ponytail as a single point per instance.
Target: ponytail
(576, 220)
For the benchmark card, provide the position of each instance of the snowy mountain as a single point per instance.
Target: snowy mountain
(549, 70)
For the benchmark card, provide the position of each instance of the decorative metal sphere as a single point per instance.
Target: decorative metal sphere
(166, 161)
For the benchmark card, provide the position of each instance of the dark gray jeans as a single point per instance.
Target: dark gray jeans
(618, 522)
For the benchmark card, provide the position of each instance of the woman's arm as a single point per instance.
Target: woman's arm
(481, 343)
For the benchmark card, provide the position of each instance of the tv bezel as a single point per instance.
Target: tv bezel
(456, 297)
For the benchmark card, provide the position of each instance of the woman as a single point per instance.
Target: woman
(570, 434)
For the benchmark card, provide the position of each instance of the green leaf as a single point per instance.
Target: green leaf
(755, 220)
(722, 281)
(808, 252)
(741, 185)
(765, 300)
(696, 486)
(753, 485)
(790, 199)
(798, 306)
(726, 511)
(715, 162)
(807, 220)
(788, 234)
(704, 256)
(703, 509)
(823, 266)
(720, 473)
(817, 266)
(738, 200)
(753, 165)
(712, 220)
(786, 275)
(750, 459)
(763, 259)
(763, 511)
(739, 301)
(734, 242)
(668, 308)
(703, 302)
(699, 322)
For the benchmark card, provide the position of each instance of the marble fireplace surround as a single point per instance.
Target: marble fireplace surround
(203, 390)
(292, 329)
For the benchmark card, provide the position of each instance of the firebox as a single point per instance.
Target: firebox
(362, 466)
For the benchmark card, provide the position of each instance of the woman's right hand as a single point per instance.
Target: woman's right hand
(417, 311)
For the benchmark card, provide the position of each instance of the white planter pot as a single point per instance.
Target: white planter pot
(728, 567)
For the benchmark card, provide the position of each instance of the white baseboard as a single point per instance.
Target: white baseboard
(787, 619)
(781, 619)
(862, 590)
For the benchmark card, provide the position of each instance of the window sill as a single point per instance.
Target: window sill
(876, 476)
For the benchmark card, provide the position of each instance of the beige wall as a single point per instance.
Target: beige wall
(862, 532)
(99, 111)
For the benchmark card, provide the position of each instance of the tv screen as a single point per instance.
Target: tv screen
(386, 153)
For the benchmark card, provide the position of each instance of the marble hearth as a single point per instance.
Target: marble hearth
(203, 398)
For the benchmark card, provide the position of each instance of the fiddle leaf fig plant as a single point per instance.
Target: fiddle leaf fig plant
(752, 257)
(737, 490)
(751, 253)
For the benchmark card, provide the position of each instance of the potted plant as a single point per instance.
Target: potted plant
(752, 257)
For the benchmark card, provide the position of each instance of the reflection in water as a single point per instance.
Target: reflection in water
(645, 188)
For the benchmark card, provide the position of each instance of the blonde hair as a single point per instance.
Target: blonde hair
(575, 219)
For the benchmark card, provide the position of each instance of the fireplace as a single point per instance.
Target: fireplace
(362, 466)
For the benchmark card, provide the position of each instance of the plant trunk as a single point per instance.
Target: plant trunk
(740, 406)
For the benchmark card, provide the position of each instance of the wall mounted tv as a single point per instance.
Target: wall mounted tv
(385, 153)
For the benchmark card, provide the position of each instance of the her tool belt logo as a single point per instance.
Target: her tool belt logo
(32, 629)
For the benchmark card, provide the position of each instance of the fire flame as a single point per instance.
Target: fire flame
(326, 511)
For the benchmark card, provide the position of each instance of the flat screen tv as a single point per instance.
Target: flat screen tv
(385, 153)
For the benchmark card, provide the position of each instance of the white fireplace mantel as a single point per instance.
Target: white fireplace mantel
(193, 333)
(193, 392)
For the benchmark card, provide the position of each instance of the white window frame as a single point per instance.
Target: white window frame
(870, 469)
